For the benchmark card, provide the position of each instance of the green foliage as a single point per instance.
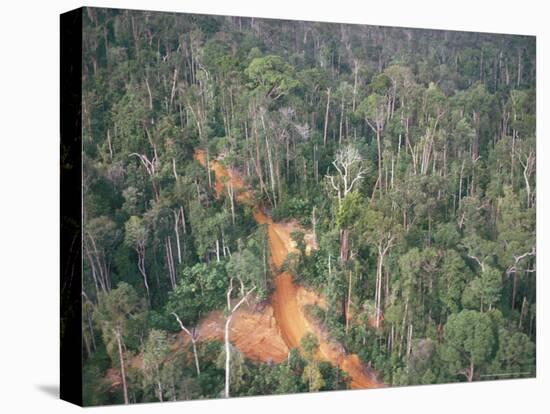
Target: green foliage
(515, 355)
(439, 227)
(423, 365)
(154, 354)
(135, 232)
(312, 377)
(119, 312)
(292, 208)
(455, 275)
(349, 212)
(373, 108)
(271, 75)
(470, 343)
(200, 288)
(239, 369)
(309, 345)
(483, 291)
(95, 388)
(248, 265)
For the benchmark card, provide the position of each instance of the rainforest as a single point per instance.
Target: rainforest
(276, 207)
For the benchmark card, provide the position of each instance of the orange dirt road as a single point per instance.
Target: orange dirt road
(253, 332)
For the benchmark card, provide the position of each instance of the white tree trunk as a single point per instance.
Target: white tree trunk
(122, 367)
(227, 356)
(193, 336)
(230, 311)
(176, 221)
(326, 118)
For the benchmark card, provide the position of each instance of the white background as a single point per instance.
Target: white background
(29, 206)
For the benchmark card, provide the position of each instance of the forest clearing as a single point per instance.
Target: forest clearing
(288, 309)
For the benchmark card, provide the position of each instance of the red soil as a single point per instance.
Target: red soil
(269, 333)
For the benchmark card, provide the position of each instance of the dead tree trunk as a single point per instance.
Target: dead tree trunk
(230, 311)
(348, 317)
(122, 366)
(176, 222)
(140, 250)
(344, 245)
(193, 335)
(231, 194)
(326, 118)
(383, 248)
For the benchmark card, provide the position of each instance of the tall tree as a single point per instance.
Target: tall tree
(136, 237)
(116, 314)
(154, 354)
(230, 311)
(469, 343)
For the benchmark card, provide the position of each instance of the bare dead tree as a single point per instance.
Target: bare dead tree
(140, 250)
(151, 168)
(384, 245)
(118, 338)
(193, 335)
(348, 163)
(231, 309)
(528, 163)
(98, 263)
(513, 270)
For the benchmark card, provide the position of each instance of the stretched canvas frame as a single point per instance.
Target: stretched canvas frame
(489, 270)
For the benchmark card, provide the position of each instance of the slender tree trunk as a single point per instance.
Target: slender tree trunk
(230, 311)
(227, 355)
(160, 392)
(355, 71)
(193, 336)
(378, 301)
(91, 328)
(460, 184)
(172, 264)
(409, 340)
(231, 194)
(344, 245)
(326, 118)
(341, 121)
(379, 146)
(208, 167)
(141, 267)
(178, 245)
(149, 92)
(271, 173)
(92, 267)
(514, 286)
(348, 303)
(122, 367)
(197, 366)
(314, 226)
(183, 220)
(110, 144)
(523, 312)
(519, 68)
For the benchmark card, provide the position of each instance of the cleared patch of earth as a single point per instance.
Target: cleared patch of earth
(287, 301)
(266, 332)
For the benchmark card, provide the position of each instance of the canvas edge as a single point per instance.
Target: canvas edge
(70, 42)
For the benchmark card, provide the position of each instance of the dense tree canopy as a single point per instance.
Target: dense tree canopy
(409, 155)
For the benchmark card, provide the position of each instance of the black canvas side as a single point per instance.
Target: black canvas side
(71, 206)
